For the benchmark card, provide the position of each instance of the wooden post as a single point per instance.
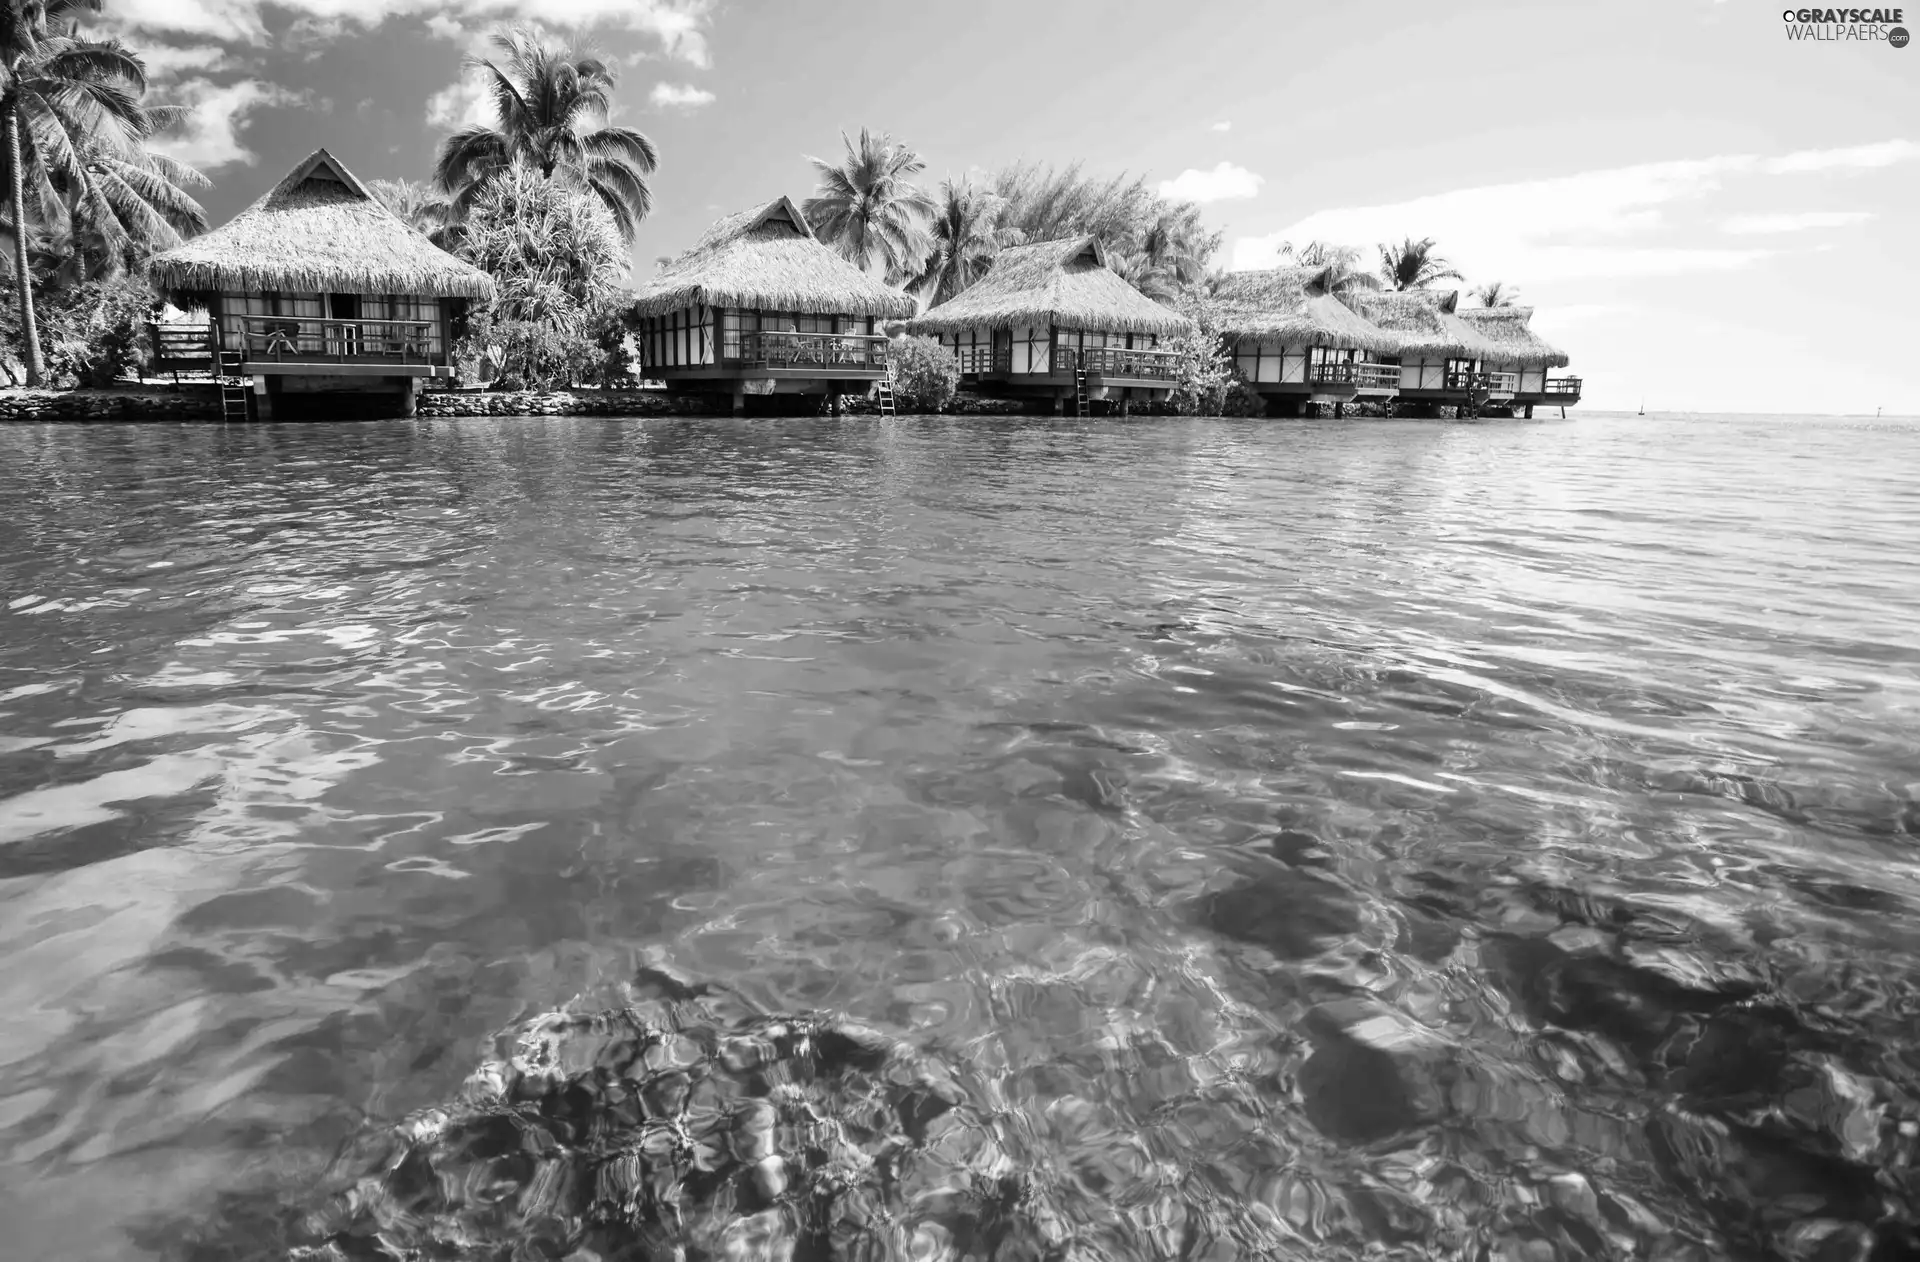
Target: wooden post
(833, 399)
(262, 401)
(739, 401)
(1059, 405)
(409, 398)
(1339, 409)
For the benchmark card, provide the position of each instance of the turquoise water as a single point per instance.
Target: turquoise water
(1365, 839)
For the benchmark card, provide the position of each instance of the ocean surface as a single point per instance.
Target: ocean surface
(1306, 839)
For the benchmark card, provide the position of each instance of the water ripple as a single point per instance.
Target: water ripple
(1364, 840)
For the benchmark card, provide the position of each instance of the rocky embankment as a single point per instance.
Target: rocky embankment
(156, 404)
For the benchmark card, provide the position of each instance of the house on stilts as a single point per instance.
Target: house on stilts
(759, 306)
(1298, 346)
(1531, 357)
(1052, 322)
(320, 300)
(1444, 361)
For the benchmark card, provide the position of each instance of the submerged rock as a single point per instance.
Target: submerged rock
(1373, 1072)
(1289, 907)
(669, 1129)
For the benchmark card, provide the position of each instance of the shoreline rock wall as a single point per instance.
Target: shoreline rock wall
(189, 404)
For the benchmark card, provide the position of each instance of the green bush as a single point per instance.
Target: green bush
(92, 334)
(1203, 374)
(926, 375)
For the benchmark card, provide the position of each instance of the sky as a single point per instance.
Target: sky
(1706, 214)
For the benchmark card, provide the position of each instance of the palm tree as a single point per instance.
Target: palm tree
(870, 210)
(1413, 265)
(64, 102)
(964, 240)
(1139, 271)
(130, 203)
(1125, 213)
(1176, 246)
(1496, 294)
(416, 203)
(1344, 274)
(552, 108)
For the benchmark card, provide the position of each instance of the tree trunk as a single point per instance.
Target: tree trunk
(17, 194)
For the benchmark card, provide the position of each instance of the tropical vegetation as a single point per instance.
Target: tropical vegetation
(1344, 263)
(419, 205)
(926, 374)
(87, 200)
(870, 210)
(1413, 265)
(1495, 294)
(558, 261)
(963, 237)
(551, 107)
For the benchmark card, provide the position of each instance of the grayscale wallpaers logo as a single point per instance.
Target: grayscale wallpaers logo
(1824, 26)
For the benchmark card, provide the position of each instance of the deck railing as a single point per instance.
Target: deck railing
(175, 343)
(1117, 361)
(767, 349)
(984, 359)
(304, 340)
(1562, 385)
(1330, 374)
(1491, 382)
(1376, 376)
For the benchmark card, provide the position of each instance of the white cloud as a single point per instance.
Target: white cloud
(236, 20)
(1755, 225)
(1857, 158)
(461, 104)
(1220, 184)
(1567, 226)
(677, 97)
(1225, 124)
(679, 26)
(165, 62)
(210, 136)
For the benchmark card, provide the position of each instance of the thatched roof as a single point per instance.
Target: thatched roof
(1509, 327)
(768, 258)
(319, 231)
(1063, 282)
(1422, 322)
(1293, 305)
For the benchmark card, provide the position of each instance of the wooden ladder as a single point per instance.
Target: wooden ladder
(885, 387)
(1080, 392)
(233, 386)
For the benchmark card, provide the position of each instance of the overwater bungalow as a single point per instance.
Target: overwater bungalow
(1532, 356)
(1052, 322)
(1444, 361)
(1297, 345)
(760, 307)
(319, 298)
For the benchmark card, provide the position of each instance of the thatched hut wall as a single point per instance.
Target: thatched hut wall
(1278, 321)
(1048, 295)
(1510, 328)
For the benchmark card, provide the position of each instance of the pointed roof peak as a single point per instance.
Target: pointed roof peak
(322, 165)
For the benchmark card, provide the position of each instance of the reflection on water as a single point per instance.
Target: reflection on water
(1335, 840)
